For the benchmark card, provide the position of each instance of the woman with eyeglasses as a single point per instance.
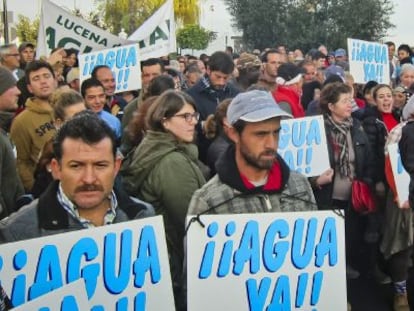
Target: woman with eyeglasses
(163, 170)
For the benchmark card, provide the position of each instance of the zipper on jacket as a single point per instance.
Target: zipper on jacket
(267, 202)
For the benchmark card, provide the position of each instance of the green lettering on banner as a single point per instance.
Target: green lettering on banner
(156, 35)
(50, 37)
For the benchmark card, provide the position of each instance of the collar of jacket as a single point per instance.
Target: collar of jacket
(52, 216)
(229, 173)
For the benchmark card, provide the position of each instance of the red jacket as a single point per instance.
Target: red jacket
(287, 95)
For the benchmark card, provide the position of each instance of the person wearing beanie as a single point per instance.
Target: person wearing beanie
(11, 188)
(289, 89)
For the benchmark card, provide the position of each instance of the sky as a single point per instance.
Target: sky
(402, 16)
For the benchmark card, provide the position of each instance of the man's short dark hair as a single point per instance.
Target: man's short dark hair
(96, 69)
(192, 68)
(35, 66)
(221, 61)
(88, 83)
(151, 62)
(317, 55)
(86, 126)
(265, 55)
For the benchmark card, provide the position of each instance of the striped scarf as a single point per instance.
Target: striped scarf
(339, 133)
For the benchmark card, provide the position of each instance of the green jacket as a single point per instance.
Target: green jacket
(164, 173)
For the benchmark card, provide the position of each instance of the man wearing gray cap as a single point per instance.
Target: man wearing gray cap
(251, 176)
(11, 187)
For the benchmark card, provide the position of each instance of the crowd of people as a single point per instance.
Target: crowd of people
(201, 137)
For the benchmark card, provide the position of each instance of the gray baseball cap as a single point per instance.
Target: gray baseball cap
(254, 106)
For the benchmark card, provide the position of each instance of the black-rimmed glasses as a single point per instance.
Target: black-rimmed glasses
(189, 116)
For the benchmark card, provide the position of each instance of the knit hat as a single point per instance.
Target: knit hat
(7, 80)
(254, 106)
(248, 61)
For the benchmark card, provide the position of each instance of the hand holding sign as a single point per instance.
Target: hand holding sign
(325, 177)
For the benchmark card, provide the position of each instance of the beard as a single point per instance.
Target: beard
(257, 161)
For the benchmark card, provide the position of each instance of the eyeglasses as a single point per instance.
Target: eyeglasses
(188, 117)
(15, 54)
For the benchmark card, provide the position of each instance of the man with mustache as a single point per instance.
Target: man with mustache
(83, 194)
(251, 176)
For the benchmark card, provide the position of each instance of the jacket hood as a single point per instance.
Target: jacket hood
(229, 173)
(139, 163)
(34, 104)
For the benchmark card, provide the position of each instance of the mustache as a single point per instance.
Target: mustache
(268, 152)
(88, 187)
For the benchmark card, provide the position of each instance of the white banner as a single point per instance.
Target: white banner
(156, 36)
(302, 144)
(368, 61)
(59, 28)
(71, 297)
(401, 177)
(124, 62)
(124, 266)
(267, 261)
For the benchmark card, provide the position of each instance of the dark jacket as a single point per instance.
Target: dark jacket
(377, 133)
(206, 99)
(45, 216)
(406, 146)
(364, 166)
(11, 187)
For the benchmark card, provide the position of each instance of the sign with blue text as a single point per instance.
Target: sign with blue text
(124, 266)
(124, 62)
(401, 177)
(368, 61)
(71, 297)
(59, 28)
(302, 144)
(267, 261)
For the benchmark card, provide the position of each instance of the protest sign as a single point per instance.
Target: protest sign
(124, 266)
(156, 37)
(368, 61)
(124, 62)
(267, 261)
(302, 144)
(71, 297)
(401, 177)
(59, 28)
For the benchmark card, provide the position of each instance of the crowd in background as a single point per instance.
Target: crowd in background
(172, 134)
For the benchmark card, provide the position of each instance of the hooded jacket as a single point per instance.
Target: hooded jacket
(164, 172)
(226, 193)
(30, 130)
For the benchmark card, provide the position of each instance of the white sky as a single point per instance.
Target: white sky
(402, 16)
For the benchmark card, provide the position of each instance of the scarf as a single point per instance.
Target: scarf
(339, 133)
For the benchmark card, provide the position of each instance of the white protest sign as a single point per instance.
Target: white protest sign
(125, 266)
(59, 28)
(124, 62)
(401, 177)
(71, 297)
(156, 36)
(368, 61)
(302, 144)
(267, 261)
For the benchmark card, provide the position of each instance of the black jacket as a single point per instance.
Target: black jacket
(406, 146)
(377, 134)
(364, 166)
